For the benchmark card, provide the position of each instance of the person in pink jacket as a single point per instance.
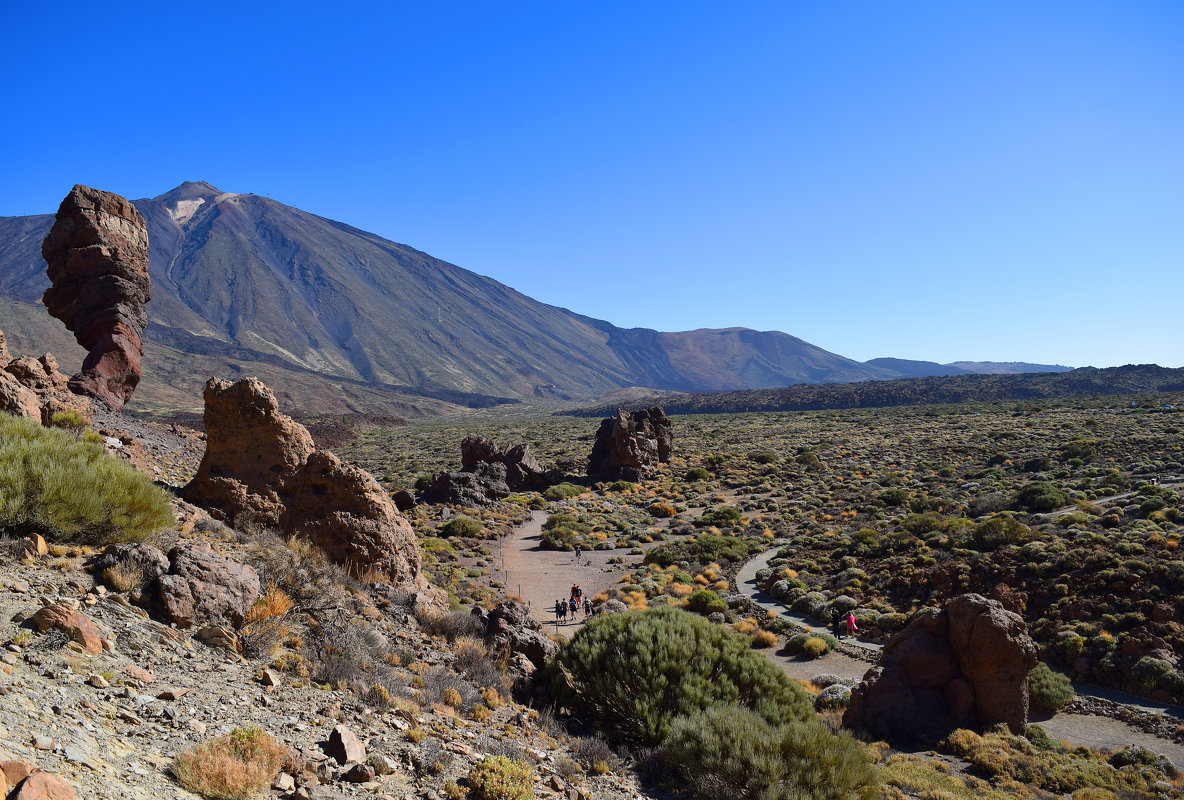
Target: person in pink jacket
(851, 628)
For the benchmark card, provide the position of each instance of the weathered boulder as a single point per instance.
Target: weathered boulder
(631, 445)
(523, 470)
(509, 625)
(34, 388)
(261, 467)
(205, 588)
(965, 665)
(97, 256)
(482, 486)
(43, 786)
(74, 624)
(138, 557)
(345, 747)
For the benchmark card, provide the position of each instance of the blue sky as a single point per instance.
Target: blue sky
(927, 180)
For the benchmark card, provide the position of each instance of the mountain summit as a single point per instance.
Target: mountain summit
(244, 277)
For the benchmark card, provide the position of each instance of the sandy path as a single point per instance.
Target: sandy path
(540, 577)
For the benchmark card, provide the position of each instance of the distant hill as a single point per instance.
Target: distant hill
(243, 280)
(904, 368)
(1005, 367)
(1086, 382)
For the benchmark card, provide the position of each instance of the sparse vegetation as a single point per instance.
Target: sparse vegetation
(230, 767)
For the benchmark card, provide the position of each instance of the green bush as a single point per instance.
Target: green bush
(703, 549)
(893, 497)
(722, 517)
(631, 674)
(1040, 496)
(564, 491)
(460, 526)
(814, 647)
(728, 752)
(622, 486)
(560, 531)
(697, 474)
(998, 531)
(500, 778)
(705, 601)
(1048, 691)
(67, 489)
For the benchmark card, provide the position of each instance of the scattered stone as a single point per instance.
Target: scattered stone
(138, 674)
(284, 783)
(344, 747)
(42, 742)
(269, 677)
(631, 445)
(98, 681)
(75, 625)
(173, 693)
(359, 773)
(218, 637)
(35, 545)
(97, 256)
(43, 786)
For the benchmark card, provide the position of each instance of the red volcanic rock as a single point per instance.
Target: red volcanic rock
(33, 387)
(97, 252)
(964, 666)
(261, 467)
(75, 625)
(631, 444)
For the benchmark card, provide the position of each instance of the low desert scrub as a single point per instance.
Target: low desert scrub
(454, 625)
(500, 778)
(763, 639)
(272, 603)
(230, 767)
(124, 577)
(67, 489)
(564, 491)
(1048, 691)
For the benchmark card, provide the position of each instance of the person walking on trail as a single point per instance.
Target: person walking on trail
(579, 595)
(851, 627)
(578, 551)
(574, 607)
(587, 608)
(572, 594)
(836, 626)
(560, 610)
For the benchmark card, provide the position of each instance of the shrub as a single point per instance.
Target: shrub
(763, 639)
(1048, 691)
(70, 419)
(230, 767)
(893, 497)
(729, 752)
(460, 526)
(622, 486)
(814, 647)
(70, 490)
(998, 531)
(697, 474)
(705, 601)
(1040, 496)
(632, 673)
(500, 778)
(722, 517)
(662, 509)
(564, 491)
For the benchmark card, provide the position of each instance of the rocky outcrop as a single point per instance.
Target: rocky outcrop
(508, 625)
(76, 626)
(97, 252)
(203, 588)
(261, 467)
(965, 665)
(34, 388)
(631, 445)
(488, 473)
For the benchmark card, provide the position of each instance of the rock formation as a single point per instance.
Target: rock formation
(34, 388)
(206, 588)
(962, 666)
(489, 473)
(97, 252)
(631, 445)
(261, 467)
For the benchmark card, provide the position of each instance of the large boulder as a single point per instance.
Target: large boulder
(510, 626)
(631, 445)
(76, 626)
(34, 388)
(483, 485)
(488, 473)
(204, 588)
(965, 665)
(262, 468)
(97, 256)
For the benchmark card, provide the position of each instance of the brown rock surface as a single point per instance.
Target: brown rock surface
(74, 624)
(523, 470)
(631, 444)
(97, 252)
(345, 747)
(43, 786)
(261, 467)
(205, 588)
(963, 666)
(34, 388)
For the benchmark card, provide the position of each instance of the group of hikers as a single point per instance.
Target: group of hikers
(573, 604)
(836, 623)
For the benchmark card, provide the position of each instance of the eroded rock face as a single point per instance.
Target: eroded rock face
(631, 445)
(262, 467)
(510, 625)
(203, 587)
(97, 252)
(34, 388)
(489, 473)
(965, 665)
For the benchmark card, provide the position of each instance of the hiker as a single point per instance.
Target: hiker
(579, 595)
(851, 628)
(835, 619)
(574, 607)
(561, 610)
(574, 588)
(578, 554)
(587, 608)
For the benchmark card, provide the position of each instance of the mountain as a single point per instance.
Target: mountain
(905, 368)
(1132, 379)
(1006, 367)
(242, 282)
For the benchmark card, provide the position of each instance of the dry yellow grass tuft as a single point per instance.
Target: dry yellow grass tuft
(274, 603)
(231, 767)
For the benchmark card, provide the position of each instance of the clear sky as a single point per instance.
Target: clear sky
(929, 180)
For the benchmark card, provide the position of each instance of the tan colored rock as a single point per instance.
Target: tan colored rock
(16, 770)
(18, 399)
(4, 357)
(43, 786)
(74, 624)
(97, 256)
(35, 545)
(34, 388)
(4, 787)
(345, 747)
(203, 587)
(262, 467)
